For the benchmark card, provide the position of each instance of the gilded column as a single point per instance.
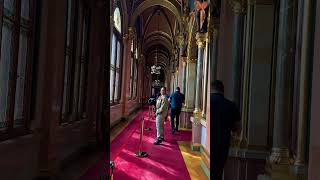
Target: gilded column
(206, 67)
(279, 160)
(237, 8)
(201, 42)
(184, 70)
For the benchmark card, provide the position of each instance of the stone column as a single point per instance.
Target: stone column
(189, 94)
(197, 113)
(237, 51)
(304, 92)
(126, 74)
(201, 42)
(280, 159)
(213, 55)
(206, 74)
(246, 75)
(183, 78)
(76, 84)
(140, 80)
(190, 83)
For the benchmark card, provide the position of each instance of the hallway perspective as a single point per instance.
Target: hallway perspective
(164, 161)
(77, 77)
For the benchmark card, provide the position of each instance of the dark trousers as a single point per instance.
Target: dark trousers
(220, 156)
(175, 113)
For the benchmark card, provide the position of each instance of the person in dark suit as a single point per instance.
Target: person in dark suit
(225, 118)
(176, 100)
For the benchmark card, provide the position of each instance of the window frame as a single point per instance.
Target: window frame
(136, 75)
(118, 36)
(29, 27)
(73, 94)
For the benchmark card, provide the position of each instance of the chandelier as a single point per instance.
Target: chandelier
(155, 69)
(157, 82)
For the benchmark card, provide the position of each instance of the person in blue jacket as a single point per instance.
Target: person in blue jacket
(176, 100)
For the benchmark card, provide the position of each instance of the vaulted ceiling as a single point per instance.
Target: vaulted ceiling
(159, 24)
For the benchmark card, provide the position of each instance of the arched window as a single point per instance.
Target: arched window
(16, 41)
(76, 60)
(117, 19)
(116, 60)
(133, 70)
(135, 78)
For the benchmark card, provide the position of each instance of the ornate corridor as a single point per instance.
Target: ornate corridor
(76, 76)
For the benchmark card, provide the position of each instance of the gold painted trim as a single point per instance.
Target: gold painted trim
(201, 38)
(191, 61)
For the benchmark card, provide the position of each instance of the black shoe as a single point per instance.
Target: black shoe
(173, 131)
(161, 138)
(157, 142)
(177, 129)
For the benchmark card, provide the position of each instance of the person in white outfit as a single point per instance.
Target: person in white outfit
(161, 113)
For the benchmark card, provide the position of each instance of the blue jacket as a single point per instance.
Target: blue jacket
(176, 100)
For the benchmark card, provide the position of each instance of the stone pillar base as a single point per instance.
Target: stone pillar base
(195, 146)
(280, 172)
(185, 120)
(264, 177)
(196, 134)
(300, 172)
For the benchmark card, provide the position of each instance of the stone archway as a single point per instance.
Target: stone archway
(149, 3)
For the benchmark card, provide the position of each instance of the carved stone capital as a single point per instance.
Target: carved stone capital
(191, 61)
(179, 39)
(235, 142)
(280, 156)
(184, 59)
(111, 21)
(251, 2)
(238, 6)
(197, 114)
(129, 35)
(201, 38)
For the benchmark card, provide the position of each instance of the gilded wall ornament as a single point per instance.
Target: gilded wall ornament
(238, 6)
(201, 38)
(201, 11)
(192, 61)
(184, 44)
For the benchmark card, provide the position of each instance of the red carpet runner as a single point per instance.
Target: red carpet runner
(164, 161)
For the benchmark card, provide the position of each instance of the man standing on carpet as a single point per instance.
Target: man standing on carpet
(225, 118)
(161, 112)
(176, 101)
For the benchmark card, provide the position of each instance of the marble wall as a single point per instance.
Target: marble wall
(314, 148)
(260, 61)
(225, 48)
